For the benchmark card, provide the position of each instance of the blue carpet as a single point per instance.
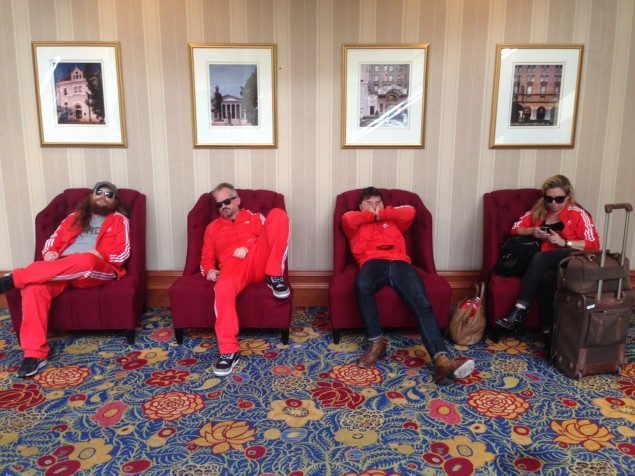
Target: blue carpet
(155, 408)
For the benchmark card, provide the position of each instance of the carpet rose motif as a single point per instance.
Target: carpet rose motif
(104, 407)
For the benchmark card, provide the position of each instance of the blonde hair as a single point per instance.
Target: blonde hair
(540, 210)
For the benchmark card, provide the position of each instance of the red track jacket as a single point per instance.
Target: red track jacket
(223, 236)
(113, 241)
(578, 225)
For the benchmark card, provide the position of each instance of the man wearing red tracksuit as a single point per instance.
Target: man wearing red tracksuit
(375, 234)
(241, 248)
(89, 248)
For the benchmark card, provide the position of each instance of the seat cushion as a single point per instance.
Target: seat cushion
(393, 311)
(192, 303)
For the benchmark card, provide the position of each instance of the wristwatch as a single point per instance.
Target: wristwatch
(568, 244)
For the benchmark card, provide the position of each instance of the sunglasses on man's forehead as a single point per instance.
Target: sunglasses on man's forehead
(558, 199)
(227, 201)
(108, 193)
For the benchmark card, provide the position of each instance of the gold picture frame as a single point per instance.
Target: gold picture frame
(536, 93)
(79, 93)
(384, 89)
(233, 95)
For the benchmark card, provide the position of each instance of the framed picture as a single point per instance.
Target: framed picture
(535, 101)
(233, 95)
(79, 93)
(384, 95)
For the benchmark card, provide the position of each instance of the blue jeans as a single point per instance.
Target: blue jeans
(540, 281)
(403, 278)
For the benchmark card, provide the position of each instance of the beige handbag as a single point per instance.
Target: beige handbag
(467, 322)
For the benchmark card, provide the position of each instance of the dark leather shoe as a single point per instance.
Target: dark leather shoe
(446, 370)
(514, 320)
(6, 283)
(376, 349)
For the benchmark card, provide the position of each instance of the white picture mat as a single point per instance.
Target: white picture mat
(208, 135)
(371, 136)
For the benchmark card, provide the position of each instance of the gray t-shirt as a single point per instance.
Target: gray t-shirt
(87, 239)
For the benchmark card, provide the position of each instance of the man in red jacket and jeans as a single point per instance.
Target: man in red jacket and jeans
(375, 234)
(89, 248)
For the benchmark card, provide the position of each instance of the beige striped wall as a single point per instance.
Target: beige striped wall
(309, 167)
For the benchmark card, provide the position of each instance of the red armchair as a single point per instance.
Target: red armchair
(392, 310)
(192, 295)
(116, 305)
(501, 209)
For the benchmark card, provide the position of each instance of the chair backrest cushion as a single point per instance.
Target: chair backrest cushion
(204, 212)
(418, 237)
(501, 209)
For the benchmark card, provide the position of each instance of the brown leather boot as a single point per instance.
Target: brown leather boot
(446, 370)
(376, 349)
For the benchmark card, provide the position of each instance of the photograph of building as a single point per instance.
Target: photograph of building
(536, 94)
(234, 99)
(79, 93)
(384, 95)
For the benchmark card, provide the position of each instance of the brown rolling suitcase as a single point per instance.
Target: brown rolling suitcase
(590, 327)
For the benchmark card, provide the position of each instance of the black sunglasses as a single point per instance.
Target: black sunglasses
(108, 193)
(558, 199)
(227, 201)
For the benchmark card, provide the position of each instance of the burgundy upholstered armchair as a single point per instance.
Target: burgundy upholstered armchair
(501, 209)
(113, 306)
(393, 311)
(192, 295)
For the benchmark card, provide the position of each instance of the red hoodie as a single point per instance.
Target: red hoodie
(382, 239)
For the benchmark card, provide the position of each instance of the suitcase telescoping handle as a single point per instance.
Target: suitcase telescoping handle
(609, 209)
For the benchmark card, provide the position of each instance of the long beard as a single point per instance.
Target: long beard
(102, 210)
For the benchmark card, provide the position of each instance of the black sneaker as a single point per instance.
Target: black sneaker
(30, 366)
(226, 363)
(6, 283)
(278, 286)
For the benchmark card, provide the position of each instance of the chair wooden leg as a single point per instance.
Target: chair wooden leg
(284, 335)
(178, 333)
(130, 336)
(337, 334)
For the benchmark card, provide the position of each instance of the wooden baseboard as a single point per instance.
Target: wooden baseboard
(310, 288)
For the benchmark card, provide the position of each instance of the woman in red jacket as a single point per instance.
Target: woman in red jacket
(563, 227)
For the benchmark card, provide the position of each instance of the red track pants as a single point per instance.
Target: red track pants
(43, 281)
(266, 257)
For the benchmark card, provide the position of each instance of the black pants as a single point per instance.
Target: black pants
(540, 281)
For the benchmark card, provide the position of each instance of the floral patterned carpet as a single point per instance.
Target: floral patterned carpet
(156, 408)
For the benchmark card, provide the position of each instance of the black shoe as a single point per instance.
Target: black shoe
(278, 286)
(514, 320)
(6, 283)
(226, 363)
(30, 366)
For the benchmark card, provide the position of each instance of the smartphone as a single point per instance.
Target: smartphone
(545, 229)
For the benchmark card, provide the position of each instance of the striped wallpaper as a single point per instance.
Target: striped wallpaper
(451, 174)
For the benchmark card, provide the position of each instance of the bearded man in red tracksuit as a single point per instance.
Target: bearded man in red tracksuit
(89, 248)
(241, 248)
(375, 234)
